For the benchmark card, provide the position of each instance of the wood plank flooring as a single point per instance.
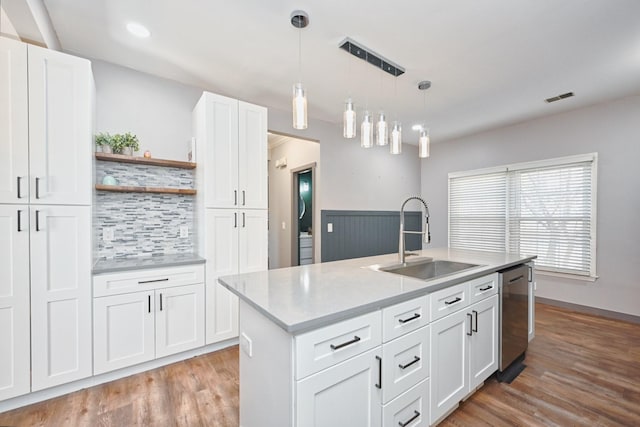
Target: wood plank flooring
(582, 370)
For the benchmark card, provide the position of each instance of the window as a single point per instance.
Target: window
(542, 208)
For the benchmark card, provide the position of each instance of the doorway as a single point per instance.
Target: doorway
(303, 202)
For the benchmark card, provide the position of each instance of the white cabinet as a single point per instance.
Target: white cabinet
(14, 300)
(46, 106)
(345, 394)
(60, 294)
(155, 321)
(232, 143)
(14, 122)
(464, 345)
(236, 242)
(231, 138)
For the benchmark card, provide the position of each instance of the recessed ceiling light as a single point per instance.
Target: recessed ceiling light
(138, 30)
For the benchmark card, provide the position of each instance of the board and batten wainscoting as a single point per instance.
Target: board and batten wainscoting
(358, 234)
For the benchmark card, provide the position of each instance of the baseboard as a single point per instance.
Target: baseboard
(590, 310)
(49, 393)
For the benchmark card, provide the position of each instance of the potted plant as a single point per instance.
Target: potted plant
(130, 144)
(103, 143)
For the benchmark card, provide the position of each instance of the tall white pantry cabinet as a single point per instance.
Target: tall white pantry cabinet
(46, 111)
(232, 202)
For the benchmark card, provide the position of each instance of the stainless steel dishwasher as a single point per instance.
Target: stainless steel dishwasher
(514, 320)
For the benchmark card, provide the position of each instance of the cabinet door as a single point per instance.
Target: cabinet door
(345, 394)
(253, 240)
(252, 169)
(14, 301)
(221, 249)
(60, 294)
(410, 409)
(221, 123)
(60, 128)
(483, 351)
(14, 123)
(179, 319)
(123, 330)
(449, 376)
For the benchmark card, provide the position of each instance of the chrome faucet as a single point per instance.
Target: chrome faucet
(425, 233)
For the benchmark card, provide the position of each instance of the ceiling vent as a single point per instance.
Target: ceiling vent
(559, 97)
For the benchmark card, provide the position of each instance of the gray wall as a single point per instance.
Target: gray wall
(298, 153)
(612, 130)
(156, 109)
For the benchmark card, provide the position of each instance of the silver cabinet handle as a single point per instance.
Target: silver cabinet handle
(475, 314)
(244, 199)
(235, 220)
(416, 359)
(161, 301)
(453, 301)
(235, 197)
(344, 344)
(243, 220)
(416, 414)
(379, 385)
(470, 324)
(37, 220)
(140, 282)
(414, 317)
(149, 303)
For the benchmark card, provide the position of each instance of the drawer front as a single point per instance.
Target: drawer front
(405, 362)
(324, 347)
(449, 300)
(306, 252)
(147, 279)
(405, 317)
(410, 409)
(305, 242)
(483, 287)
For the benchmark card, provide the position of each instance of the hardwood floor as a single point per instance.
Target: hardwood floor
(582, 370)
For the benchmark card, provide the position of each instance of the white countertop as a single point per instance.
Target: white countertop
(307, 297)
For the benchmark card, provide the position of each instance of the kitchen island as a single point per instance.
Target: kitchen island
(345, 343)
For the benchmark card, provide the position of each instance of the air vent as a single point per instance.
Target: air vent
(559, 97)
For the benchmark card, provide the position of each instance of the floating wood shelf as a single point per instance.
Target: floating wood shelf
(145, 161)
(133, 189)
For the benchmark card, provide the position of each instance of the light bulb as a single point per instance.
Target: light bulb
(366, 131)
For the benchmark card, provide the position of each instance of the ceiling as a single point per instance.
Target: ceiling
(491, 62)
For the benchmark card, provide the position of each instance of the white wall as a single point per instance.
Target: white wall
(611, 129)
(157, 110)
(298, 153)
(354, 178)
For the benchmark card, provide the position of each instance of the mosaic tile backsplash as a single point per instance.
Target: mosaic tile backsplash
(144, 224)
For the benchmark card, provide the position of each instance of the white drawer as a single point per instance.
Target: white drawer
(449, 300)
(404, 317)
(324, 347)
(483, 287)
(146, 279)
(410, 409)
(405, 362)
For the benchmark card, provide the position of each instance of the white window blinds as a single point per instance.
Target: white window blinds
(541, 208)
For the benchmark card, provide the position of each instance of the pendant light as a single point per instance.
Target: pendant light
(424, 140)
(349, 116)
(395, 147)
(382, 128)
(300, 20)
(366, 131)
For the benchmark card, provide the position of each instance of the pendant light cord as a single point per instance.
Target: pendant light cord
(299, 54)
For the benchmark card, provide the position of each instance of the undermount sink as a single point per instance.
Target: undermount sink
(428, 269)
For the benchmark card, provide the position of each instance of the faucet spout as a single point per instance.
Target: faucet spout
(426, 233)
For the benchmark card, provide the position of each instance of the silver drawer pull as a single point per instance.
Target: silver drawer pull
(416, 359)
(152, 281)
(410, 420)
(414, 317)
(344, 344)
(453, 301)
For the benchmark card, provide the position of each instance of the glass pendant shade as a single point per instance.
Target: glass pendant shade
(423, 144)
(396, 138)
(349, 119)
(382, 130)
(366, 131)
(299, 107)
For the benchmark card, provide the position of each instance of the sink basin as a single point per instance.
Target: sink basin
(430, 269)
